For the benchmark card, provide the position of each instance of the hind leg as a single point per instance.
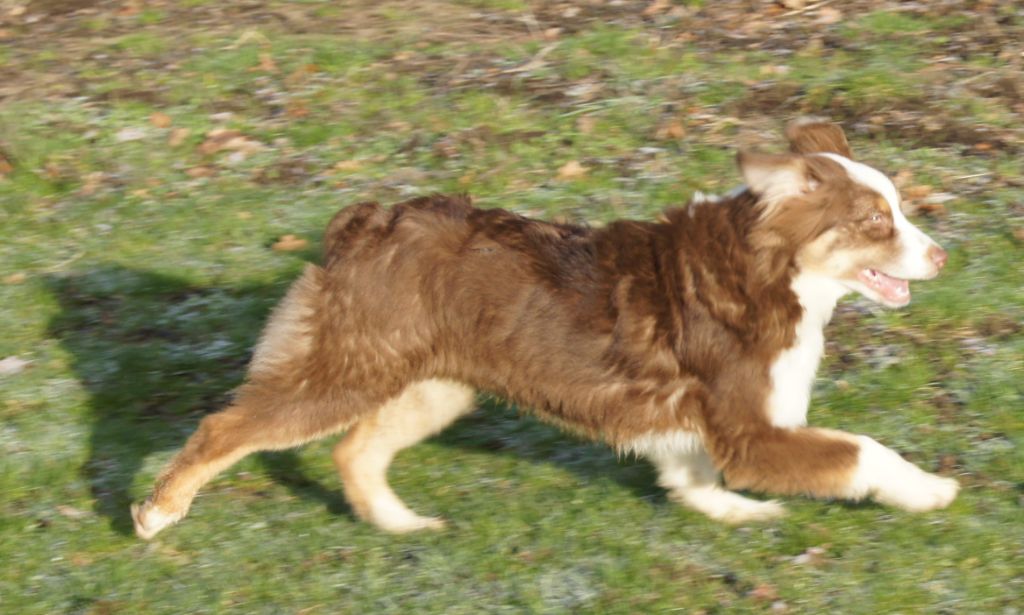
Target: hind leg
(221, 440)
(364, 454)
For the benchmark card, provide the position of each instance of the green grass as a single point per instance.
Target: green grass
(146, 283)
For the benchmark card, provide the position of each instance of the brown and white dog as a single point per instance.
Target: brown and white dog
(692, 341)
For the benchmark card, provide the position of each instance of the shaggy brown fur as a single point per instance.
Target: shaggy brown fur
(617, 333)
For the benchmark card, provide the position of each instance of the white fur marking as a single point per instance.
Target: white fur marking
(702, 197)
(888, 478)
(792, 373)
(422, 409)
(699, 197)
(149, 519)
(724, 505)
(391, 515)
(686, 471)
(655, 445)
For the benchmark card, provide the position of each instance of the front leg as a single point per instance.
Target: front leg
(823, 463)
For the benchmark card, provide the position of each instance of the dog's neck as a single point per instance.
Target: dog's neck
(793, 371)
(818, 296)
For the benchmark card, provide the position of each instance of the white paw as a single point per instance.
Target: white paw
(391, 515)
(728, 507)
(888, 478)
(752, 511)
(413, 523)
(149, 519)
(921, 493)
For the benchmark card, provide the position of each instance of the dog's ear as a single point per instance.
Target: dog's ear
(774, 177)
(812, 135)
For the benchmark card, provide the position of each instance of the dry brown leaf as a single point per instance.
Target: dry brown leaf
(916, 192)
(1018, 233)
(220, 139)
(670, 131)
(5, 166)
(930, 209)
(774, 69)
(129, 8)
(765, 592)
(243, 144)
(446, 147)
(92, 183)
(300, 74)
(572, 170)
(215, 140)
(289, 243)
(348, 165)
(267, 63)
(178, 136)
(932, 204)
(657, 7)
(828, 15)
(296, 109)
(200, 171)
(903, 178)
(160, 120)
(15, 278)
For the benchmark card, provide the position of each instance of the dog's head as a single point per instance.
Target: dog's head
(841, 217)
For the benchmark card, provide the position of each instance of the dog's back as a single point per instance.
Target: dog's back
(434, 287)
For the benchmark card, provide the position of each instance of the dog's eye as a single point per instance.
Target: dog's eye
(875, 219)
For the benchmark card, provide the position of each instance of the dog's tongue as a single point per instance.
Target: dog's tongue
(893, 289)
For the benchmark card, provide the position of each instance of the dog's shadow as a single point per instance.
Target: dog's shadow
(156, 353)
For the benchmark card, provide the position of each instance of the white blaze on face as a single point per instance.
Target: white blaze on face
(914, 262)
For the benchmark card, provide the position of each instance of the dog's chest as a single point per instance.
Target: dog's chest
(792, 376)
(792, 372)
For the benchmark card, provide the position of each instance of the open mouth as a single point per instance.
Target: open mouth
(893, 290)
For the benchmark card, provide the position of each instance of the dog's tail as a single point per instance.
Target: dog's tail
(364, 225)
(287, 337)
(348, 227)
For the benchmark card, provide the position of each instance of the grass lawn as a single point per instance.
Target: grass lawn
(153, 153)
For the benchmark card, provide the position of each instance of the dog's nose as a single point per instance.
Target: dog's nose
(938, 256)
